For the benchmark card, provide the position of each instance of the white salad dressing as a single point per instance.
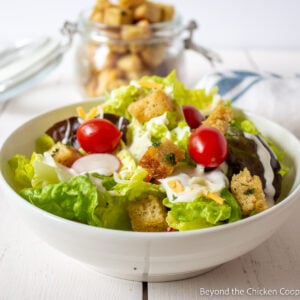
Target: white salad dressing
(160, 120)
(100, 111)
(181, 132)
(190, 183)
(265, 158)
(140, 144)
(120, 122)
(169, 91)
(142, 138)
(216, 100)
(67, 133)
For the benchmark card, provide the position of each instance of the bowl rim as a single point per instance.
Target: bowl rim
(94, 229)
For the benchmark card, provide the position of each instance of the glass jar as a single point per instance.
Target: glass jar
(110, 56)
(107, 56)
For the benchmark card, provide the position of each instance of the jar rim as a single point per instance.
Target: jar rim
(167, 29)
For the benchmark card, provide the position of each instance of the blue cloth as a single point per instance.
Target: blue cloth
(273, 96)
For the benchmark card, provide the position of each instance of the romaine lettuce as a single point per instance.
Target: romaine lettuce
(44, 143)
(236, 213)
(118, 101)
(199, 213)
(22, 170)
(112, 211)
(80, 200)
(182, 95)
(138, 139)
(136, 189)
(75, 200)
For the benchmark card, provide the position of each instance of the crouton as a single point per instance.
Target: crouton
(101, 4)
(153, 55)
(148, 215)
(153, 105)
(167, 12)
(97, 14)
(63, 154)
(117, 16)
(130, 3)
(90, 86)
(139, 31)
(220, 118)
(160, 161)
(136, 75)
(107, 76)
(129, 63)
(148, 11)
(117, 48)
(249, 193)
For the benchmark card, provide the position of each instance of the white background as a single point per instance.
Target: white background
(223, 23)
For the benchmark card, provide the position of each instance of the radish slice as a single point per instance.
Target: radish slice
(102, 163)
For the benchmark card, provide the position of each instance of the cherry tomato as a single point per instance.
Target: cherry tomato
(98, 136)
(207, 146)
(192, 116)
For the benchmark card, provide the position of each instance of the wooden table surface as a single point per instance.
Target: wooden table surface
(32, 270)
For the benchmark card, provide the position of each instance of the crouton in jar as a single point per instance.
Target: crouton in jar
(124, 40)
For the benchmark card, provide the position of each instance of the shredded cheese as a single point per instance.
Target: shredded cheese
(176, 186)
(150, 84)
(215, 197)
(91, 114)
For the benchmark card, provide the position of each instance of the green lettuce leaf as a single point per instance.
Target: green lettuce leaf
(112, 211)
(236, 213)
(37, 171)
(119, 100)
(48, 171)
(141, 136)
(44, 143)
(138, 139)
(75, 200)
(107, 182)
(157, 128)
(136, 188)
(128, 164)
(245, 125)
(22, 170)
(180, 135)
(181, 94)
(80, 200)
(200, 213)
(279, 154)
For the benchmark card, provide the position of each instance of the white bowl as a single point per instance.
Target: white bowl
(151, 256)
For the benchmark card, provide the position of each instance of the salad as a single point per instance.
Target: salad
(155, 156)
